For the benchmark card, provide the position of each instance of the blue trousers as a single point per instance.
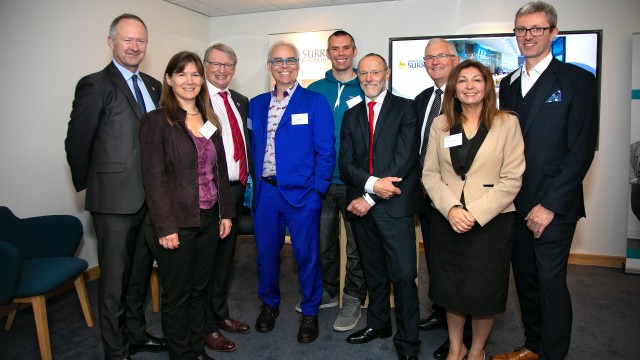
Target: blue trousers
(273, 215)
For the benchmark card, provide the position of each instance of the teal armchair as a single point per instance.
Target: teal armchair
(37, 256)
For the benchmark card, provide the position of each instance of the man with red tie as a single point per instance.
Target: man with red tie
(231, 109)
(377, 161)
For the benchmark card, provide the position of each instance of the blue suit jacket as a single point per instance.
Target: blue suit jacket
(305, 155)
(560, 133)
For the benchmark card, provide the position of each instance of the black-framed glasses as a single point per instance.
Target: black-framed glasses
(440, 56)
(280, 61)
(217, 66)
(535, 31)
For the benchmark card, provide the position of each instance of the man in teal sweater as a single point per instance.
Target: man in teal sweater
(342, 89)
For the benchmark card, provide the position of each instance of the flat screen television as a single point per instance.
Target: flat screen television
(499, 52)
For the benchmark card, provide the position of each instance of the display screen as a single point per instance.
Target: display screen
(498, 52)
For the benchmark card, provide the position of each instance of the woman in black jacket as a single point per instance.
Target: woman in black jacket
(189, 199)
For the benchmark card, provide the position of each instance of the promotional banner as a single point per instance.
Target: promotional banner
(313, 53)
(632, 265)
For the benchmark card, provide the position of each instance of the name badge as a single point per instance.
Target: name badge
(452, 140)
(300, 119)
(249, 124)
(207, 129)
(354, 101)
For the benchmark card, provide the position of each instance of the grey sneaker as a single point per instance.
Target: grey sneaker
(326, 302)
(349, 314)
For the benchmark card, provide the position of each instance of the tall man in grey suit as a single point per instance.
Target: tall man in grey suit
(104, 156)
(378, 147)
(231, 108)
(558, 111)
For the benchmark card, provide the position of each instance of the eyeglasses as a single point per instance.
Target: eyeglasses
(280, 61)
(441, 56)
(373, 73)
(535, 31)
(217, 66)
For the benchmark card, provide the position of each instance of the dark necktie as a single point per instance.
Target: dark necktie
(239, 154)
(371, 104)
(435, 111)
(138, 94)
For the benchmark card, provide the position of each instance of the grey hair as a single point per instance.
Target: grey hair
(537, 7)
(113, 29)
(223, 48)
(283, 43)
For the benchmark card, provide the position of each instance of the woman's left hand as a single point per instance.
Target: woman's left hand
(460, 219)
(225, 227)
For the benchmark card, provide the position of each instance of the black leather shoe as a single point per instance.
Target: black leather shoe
(367, 334)
(204, 357)
(308, 329)
(407, 357)
(267, 319)
(432, 322)
(148, 343)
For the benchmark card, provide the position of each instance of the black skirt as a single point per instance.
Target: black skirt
(469, 272)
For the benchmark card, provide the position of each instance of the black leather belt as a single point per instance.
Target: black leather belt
(270, 180)
(234, 182)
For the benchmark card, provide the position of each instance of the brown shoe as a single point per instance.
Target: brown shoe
(217, 342)
(233, 326)
(520, 353)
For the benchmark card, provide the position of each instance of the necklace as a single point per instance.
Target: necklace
(470, 133)
(195, 114)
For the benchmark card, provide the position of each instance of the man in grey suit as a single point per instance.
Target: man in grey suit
(103, 153)
(231, 108)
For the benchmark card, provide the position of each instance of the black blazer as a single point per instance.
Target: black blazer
(559, 136)
(394, 153)
(102, 145)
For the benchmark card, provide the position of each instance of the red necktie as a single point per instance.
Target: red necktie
(371, 104)
(239, 154)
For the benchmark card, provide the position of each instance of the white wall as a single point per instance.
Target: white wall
(47, 46)
(604, 230)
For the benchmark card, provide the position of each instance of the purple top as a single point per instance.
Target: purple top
(207, 158)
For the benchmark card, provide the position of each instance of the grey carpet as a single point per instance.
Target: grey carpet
(606, 321)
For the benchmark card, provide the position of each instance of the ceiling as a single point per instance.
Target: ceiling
(215, 8)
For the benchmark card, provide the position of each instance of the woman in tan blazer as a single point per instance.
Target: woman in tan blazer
(473, 171)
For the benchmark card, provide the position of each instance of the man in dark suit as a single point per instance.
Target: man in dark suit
(377, 161)
(104, 156)
(231, 109)
(292, 146)
(557, 107)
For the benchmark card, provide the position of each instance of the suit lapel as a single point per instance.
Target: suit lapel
(422, 111)
(294, 103)
(383, 117)
(544, 83)
(121, 84)
(363, 122)
(153, 92)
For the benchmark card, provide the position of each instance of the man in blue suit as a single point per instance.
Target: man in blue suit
(558, 111)
(293, 154)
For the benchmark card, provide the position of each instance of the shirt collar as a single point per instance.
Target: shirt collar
(126, 73)
(214, 90)
(541, 66)
(379, 99)
(287, 92)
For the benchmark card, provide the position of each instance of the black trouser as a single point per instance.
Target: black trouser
(217, 307)
(540, 274)
(184, 275)
(125, 269)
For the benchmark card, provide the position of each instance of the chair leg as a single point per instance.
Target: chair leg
(15, 307)
(155, 290)
(42, 326)
(84, 299)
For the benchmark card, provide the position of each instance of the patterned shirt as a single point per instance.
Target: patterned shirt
(276, 109)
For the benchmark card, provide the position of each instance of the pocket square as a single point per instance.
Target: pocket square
(556, 97)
